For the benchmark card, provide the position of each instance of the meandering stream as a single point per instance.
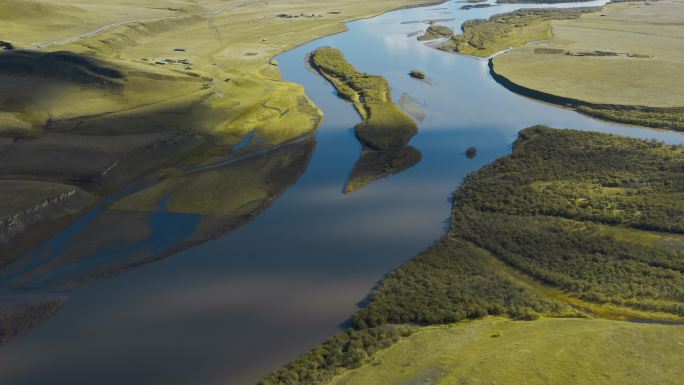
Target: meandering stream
(230, 310)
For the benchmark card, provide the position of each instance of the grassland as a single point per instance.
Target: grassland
(155, 73)
(642, 41)
(233, 190)
(385, 131)
(547, 351)
(513, 29)
(575, 232)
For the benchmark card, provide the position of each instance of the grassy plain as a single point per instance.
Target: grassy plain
(546, 351)
(232, 190)
(644, 64)
(108, 85)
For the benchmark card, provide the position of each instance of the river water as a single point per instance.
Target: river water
(230, 310)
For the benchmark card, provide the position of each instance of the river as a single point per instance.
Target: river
(231, 310)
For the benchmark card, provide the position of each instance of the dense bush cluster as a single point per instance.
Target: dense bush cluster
(450, 281)
(586, 176)
(567, 208)
(346, 350)
(546, 209)
(672, 118)
(581, 259)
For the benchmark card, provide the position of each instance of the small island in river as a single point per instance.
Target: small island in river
(385, 131)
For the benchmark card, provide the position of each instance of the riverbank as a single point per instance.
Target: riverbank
(621, 64)
(146, 94)
(528, 236)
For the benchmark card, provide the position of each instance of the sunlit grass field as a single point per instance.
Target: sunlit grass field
(652, 31)
(546, 351)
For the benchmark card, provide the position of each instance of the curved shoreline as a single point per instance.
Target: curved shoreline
(586, 108)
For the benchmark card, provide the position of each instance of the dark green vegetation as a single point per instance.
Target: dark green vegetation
(572, 224)
(471, 152)
(553, 208)
(475, 6)
(484, 37)
(344, 351)
(385, 131)
(417, 74)
(669, 118)
(450, 281)
(436, 32)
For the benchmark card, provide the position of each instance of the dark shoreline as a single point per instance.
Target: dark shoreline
(580, 105)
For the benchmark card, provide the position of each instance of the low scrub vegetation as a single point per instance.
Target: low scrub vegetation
(385, 125)
(450, 281)
(543, 210)
(386, 129)
(513, 29)
(344, 351)
(669, 118)
(435, 32)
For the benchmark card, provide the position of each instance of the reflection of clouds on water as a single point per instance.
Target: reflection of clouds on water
(405, 223)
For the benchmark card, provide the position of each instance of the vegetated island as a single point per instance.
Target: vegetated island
(417, 74)
(475, 6)
(513, 29)
(624, 64)
(575, 232)
(436, 32)
(385, 131)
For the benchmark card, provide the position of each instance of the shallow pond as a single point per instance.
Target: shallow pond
(230, 310)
